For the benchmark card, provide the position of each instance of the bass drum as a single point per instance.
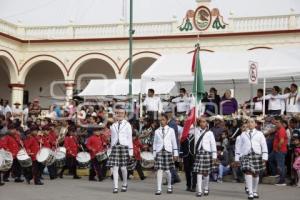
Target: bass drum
(147, 160)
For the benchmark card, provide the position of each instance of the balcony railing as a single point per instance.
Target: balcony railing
(243, 24)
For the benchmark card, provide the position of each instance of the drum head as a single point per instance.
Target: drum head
(43, 154)
(146, 155)
(83, 157)
(22, 155)
(60, 155)
(62, 149)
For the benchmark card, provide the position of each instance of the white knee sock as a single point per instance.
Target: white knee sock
(205, 182)
(159, 179)
(248, 179)
(255, 181)
(199, 182)
(124, 175)
(169, 178)
(116, 176)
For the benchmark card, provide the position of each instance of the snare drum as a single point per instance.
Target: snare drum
(45, 156)
(101, 156)
(60, 157)
(6, 160)
(83, 159)
(147, 160)
(24, 159)
(131, 164)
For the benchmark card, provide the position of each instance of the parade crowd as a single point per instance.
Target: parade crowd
(228, 138)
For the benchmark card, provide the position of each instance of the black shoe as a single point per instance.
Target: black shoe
(143, 178)
(188, 189)
(61, 176)
(1, 184)
(76, 177)
(199, 194)
(92, 179)
(38, 183)
(255, 195)
(100, 179)
(28, 181)
(250, 196)
(158, 192)
(124, 188)
(18, 180)
(246, 190)
(177, 180)
(115, 191)
(170, 191)
(206, 192)
(5, 180)
(193, 189)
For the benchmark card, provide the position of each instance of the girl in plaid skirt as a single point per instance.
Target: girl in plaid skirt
(206, 155)
(164, 148)
(252, 153)
(122, 148)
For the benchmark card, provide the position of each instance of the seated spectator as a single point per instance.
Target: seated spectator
(228, 105)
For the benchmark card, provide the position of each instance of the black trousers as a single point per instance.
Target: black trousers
(71, 164)
(139, 170)
(33, 172)
(16, 170)
(191, 178)
(98, 168)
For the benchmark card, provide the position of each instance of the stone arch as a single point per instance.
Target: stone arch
(75, 66)
(11, 65)
(137, 57)
(31, 62)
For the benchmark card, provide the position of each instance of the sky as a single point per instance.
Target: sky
(63, 12)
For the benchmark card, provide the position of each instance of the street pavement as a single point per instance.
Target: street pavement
(69, 189)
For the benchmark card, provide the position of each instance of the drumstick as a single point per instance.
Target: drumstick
(235, 133)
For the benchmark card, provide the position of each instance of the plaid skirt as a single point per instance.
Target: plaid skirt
(203, 163)
(164, 161)
(252, 163)
(119, 156)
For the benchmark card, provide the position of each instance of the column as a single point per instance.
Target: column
(69, 91)
(17, 92)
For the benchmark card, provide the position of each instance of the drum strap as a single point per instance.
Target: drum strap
(199, 141)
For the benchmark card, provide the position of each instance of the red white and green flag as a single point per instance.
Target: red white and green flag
(198, 94)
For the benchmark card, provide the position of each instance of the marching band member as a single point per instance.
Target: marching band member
(137, 146)
(164, 148)
(49, 141)
(71, 144)
(32, 145)
(251, 154)
(12, 143)
(122, 147)
(95, 144)
(206, 155)
(188, 155)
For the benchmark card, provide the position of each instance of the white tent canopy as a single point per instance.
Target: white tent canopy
(105, 87)
(232, 65)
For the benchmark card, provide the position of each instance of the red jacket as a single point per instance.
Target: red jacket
(71, 145)
(95, 145)
(12, 143)
(46, 141)
(32, 146)
(52, 137)
(137, 145)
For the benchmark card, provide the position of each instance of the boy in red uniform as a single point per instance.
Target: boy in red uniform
(95, 144)
(12, 143)
(71, 144)
(32, 145)
(137, 146)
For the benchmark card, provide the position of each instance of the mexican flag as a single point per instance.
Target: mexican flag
(198, 94)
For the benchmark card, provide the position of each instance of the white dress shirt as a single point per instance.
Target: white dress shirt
(292, 102)
(182, 103)
(165, 138)
(122, 132)
(153, 104)
(208, 142)
(254, 139)
(275, 103)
